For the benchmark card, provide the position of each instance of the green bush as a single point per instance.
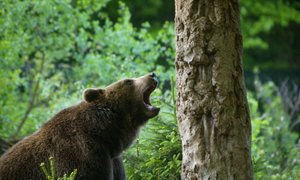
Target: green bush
(51, 173)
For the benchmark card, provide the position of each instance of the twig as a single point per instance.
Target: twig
(32, 102)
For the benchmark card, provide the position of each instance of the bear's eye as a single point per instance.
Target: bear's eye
(128, 82)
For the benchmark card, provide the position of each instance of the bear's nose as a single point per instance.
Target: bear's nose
(153, 75)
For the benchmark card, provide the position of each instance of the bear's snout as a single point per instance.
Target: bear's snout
(154, 77)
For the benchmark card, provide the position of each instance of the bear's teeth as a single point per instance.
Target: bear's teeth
(150, 107)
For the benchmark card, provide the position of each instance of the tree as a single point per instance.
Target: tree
(212, 110)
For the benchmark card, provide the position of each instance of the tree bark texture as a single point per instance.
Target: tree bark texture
(212, 110)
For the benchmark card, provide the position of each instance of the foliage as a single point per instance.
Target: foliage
(269, 29)
(274, 150)
(261, 16)
(39, 37)
(290, 93)
(154, 11)
(52, 174)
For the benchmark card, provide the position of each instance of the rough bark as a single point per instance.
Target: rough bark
(212, 108)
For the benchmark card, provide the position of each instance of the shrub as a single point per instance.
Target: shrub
(51, 174)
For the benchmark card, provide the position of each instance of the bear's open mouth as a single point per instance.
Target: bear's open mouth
(147, 94)
(146, 97)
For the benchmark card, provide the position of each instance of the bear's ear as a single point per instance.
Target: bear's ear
(89, 95)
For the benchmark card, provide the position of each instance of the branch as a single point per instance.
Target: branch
(32, 102)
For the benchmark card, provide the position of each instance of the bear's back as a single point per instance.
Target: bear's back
(21, 161)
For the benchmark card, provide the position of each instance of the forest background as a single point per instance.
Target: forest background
(51, 50)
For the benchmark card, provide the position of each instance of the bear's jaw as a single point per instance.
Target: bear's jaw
(151, 111)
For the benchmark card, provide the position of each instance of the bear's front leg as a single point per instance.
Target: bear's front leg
(118, 169)
(97, 168)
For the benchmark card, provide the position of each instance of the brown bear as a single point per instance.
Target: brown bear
(89, 136)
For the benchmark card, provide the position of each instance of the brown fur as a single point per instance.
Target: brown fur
(89, 136)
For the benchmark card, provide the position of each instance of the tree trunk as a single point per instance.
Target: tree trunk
(212, 108)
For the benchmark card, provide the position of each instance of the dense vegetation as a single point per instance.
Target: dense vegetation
(51, 50)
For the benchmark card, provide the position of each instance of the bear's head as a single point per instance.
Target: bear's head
(130, 97)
